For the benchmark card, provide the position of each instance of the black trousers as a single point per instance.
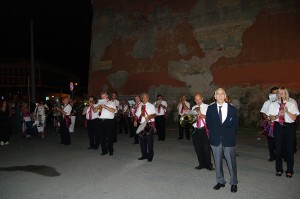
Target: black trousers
(107, 135)
(284, 141)
(4, 132)
(94, 132)
(123, 125)
(160, 122)
(64, 133)
(271, 146)
(115, 129)
(136, 136)
(130, 126)
(146, 145)
(202, 147)
(181, 129)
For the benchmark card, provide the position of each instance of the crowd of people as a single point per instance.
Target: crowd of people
(212, 127)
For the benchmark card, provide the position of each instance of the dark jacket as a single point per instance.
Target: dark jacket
(222, 133)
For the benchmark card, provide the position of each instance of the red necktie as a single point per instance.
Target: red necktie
(143, 110)
(281, 117)
(158, 108)
(182, 107)
(199, 121)
(90, 113)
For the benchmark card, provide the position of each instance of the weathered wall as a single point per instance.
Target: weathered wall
(173, 47)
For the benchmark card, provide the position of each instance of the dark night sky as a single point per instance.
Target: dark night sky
(62, 32)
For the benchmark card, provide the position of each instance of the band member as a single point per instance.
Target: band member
(4, 123)
(130, 119)
(146, 113)
(200, 136)
(107, 114)
(116, 121)
(65, 110)
(138, 104)
(267, 123)
(183, 107)
(284, 113)
(160, 120)
(122, 115)
(73, 116)
(93, 124)
(222, 122)
(39, 115)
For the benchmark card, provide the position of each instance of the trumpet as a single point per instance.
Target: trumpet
(99, 108)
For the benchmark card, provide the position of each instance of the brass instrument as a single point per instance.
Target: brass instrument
(99, 108)
(188, 119)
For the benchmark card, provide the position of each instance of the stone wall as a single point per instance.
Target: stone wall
(175, 47)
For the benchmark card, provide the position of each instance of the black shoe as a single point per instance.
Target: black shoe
(210, 168)
(150, 160)
(96, 148)
(289, 175)
(233, 188)
(199, 167)
(180, 138)
(271, 159)
(279, 173)
(90, 147)
(110, 153)
(135, 143)
(218, 186)
(103, 153)
(142, 158)
(187, 138)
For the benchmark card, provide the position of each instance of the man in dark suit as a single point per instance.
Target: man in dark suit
(222, 122)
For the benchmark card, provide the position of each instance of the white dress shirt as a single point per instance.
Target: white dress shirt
(123, 108)
(180, 107)
(106, 114)
(292, 108)
(203, 109)
(150, 109)
(67, 109)
(94, 115)
(117, 104)
(224, 110)
(162, 110)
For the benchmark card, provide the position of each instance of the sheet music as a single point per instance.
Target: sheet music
(100, 102)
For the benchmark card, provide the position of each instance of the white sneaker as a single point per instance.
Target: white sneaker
(1, 143)
(6, 143)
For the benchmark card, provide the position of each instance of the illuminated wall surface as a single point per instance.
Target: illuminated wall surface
(175, 46)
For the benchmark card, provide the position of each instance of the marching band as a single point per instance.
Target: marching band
(144, 120)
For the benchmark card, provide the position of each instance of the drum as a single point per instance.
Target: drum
(144, 129)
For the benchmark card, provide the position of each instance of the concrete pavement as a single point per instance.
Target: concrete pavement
(34, 168)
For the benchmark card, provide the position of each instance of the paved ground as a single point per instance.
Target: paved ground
(44, 169)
